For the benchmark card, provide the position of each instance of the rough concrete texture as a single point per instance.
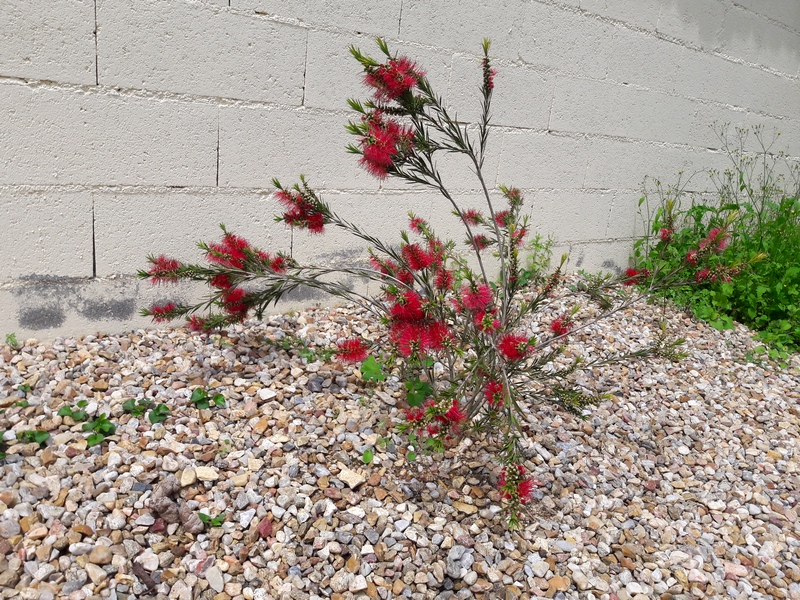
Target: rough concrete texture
(136, 127)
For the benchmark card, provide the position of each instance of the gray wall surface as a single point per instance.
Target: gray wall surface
(130, 127)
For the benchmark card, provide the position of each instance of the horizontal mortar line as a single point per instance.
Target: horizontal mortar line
(110, 91)
(768, 18)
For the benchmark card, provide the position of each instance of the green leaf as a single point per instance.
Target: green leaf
(198, 395)
(94, 439)
(129, 405)
(417, 391)
(219, 400)
(22, 404)
(159, 414)
(204, 518)
(371, 370)
(79, 415)
(411, 456)
(64, 411)
(368, 456)
(82, 403)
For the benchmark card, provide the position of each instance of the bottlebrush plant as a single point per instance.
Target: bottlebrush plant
(458, 328)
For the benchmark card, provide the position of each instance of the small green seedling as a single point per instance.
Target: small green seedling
(24, 388)
(137, 407)
(209, 521)
(76, 415)
(371, 370)
(368, 455)
(22, 404)
(101, 427)
(225, 447)
(202, 401)
(417, 391)
(159, 414)
(34, 435)
(11, 340)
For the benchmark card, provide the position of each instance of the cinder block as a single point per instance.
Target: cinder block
(521, 97)
(67, 137)
(786, 12)
(571, 215)
(703, 131)
(659, 65)
(463, 25)
(698, 22)
(583, 106)
(48, 232)
(624, 164)
(178, 219)
(755, 39)
(537, 160)
(378, 17)
(564, 40)
(199, 49)
(638, 13)
(333, 75)
(52, 42)
(257, 144)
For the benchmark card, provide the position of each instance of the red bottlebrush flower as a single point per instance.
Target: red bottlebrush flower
(278, 264)
(495, 394)
(437, 333)
(436, 250)
(481, 241)
(408, 308)
(351, 350)
(231, 252)
(405, 277)
(478, 299)
(514, 197)
(302, 211)
(195, 323)
(513, 347)
(415, 414)
(416, 258)
(443, 281)
(560, 326)
(455, 415)
(634, 276)
(518, 237)
(234, 302)
(487, 321)
(665, 234)
(716, 240)
(503, 218)
(488, 74)
(163, 270)
(691, 257)
(162, 312)
(473, 217)
(525, 490)
(394, 79)
(385, 139)
(417, 224)
(221, 281)
(702, 275)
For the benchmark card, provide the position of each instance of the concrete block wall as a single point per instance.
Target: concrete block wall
(130, 127)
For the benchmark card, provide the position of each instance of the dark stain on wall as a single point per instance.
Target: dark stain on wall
(42, 317)
(115, 310)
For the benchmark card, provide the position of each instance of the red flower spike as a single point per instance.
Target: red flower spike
(221, 281)
(351, 350)
(162, 312)
(513, 347)
(408, 308)
(385, 140)
(635, 276)
(416, 258)
(691, 257)
(487, 321)
(495, 394)
(702, 275)
(394, 79)
(478, 299)
(415, 414)
(503, 218)
(524, 490)
(481, 241)
(560, 326)
(163, 270)
(417, 224)
(443, 281)
(455, 415)
(195, 323)
(665, 234)
(472, 216)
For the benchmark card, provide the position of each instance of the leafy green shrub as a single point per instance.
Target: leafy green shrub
(761, 211)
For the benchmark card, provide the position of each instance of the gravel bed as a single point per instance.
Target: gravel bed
(682, 484)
